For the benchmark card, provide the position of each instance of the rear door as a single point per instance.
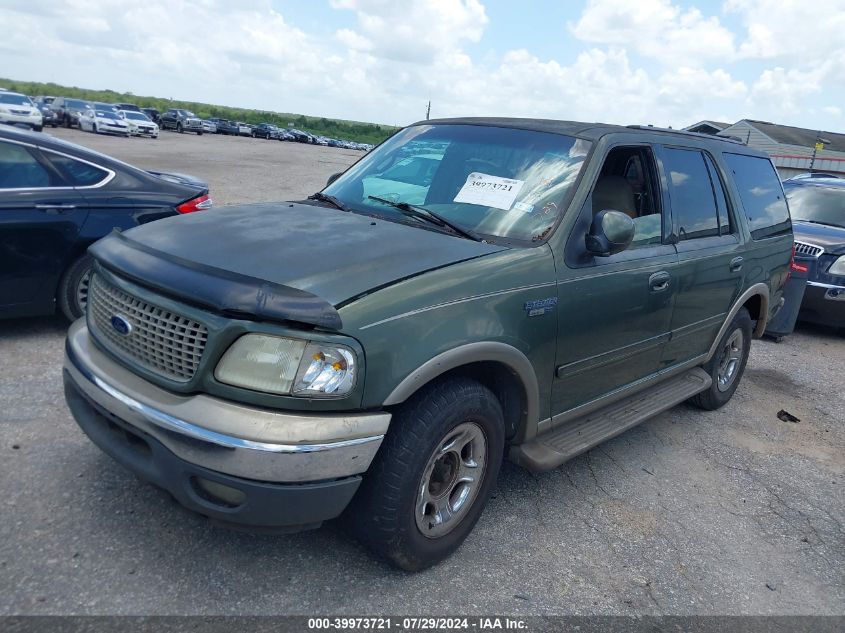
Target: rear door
(711, 266)
(40, 220)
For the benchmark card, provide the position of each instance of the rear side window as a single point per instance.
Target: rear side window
(692, 193)
(20, 170)
(761, 195)
(76, 172)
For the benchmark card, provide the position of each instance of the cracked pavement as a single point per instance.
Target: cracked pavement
(725, 512)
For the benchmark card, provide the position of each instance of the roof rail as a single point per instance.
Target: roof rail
(731, 139)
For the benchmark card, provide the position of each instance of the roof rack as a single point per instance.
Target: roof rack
(731, 139)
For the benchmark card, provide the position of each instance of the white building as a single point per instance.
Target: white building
(791, 148)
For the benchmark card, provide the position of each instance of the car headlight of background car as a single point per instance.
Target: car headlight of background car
(838, 267)
(288, 366)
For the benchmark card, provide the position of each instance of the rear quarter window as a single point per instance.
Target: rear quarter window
(761, 195)
(77, 173)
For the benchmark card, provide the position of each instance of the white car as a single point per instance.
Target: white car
(139, 123)
(18, 109)
(209, 126)
(103, 122)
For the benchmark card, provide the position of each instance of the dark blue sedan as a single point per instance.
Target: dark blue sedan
(57, 198)
(817, 206)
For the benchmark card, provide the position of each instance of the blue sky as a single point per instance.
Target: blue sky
(650, 61)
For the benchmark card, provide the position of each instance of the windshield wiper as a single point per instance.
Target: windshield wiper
(428, 215)
(324, 197)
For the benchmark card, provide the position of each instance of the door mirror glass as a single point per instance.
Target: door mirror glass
(610, 233)
(333, 177)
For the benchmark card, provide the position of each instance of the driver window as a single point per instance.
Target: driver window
(626, 183)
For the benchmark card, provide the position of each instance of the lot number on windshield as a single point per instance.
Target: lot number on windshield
(489, 191)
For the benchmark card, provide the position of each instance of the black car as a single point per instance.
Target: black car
(56, 198)
(265, 130)
(67, 110)
(155, 115)
(224, 126)
(180, 120)
(818, 213)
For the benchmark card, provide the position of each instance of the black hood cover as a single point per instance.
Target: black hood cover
(281, 261)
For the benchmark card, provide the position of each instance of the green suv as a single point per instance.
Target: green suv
(472, 290)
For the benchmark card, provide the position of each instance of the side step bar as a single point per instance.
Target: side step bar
(560, 444)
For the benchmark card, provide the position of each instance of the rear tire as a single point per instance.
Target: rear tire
(432, 476)
(728, 363)
(72, 295)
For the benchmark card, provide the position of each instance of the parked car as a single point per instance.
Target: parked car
(68, 110)
(209, 126)
(299, 136)
(154, 114)
(180, 120)
(139, 123)
(18, 109)
(43, 100)
(818, 210)
(57, 198)
(49, 116)
(244, 129)
(224, 126)
(103, 121)
(127, 107)
(561, 283)
(266, 131)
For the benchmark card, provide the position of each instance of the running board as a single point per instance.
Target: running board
(560, 444)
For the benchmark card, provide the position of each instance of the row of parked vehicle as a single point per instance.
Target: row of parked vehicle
(128, 119)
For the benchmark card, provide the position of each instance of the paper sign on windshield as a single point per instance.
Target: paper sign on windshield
(489, 191)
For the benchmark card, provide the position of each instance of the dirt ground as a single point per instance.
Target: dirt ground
(726, 512)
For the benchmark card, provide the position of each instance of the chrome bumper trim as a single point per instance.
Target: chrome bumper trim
(106, 384)
(819, 284)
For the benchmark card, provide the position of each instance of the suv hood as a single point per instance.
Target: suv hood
(831, 238)
(279, 261)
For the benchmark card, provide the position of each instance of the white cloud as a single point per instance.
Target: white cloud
(656, 29)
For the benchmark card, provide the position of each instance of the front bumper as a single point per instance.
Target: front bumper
(108, 128)
(31, 120)
(823, 304)
(309, 466)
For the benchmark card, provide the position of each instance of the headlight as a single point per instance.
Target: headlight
(275, 364)
(838, 267)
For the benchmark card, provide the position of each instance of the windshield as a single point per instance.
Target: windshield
(137, 116)
(186, 113)
(107, 114)
(825, 205)
(494, 181)
(14, 99)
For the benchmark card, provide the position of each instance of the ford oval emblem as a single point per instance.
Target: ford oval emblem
(121, 325)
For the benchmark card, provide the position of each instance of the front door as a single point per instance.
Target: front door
(615, 312)
(39, 224)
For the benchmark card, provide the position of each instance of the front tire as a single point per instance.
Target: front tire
(72, 295)
(728, 363)
(433, 474)
(179, 128)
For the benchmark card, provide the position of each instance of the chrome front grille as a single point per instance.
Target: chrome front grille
(808, 250)
(166, 343)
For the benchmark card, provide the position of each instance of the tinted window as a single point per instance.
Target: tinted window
(725, 225)
(693, 203)
(76, 172)
(11, 98)
(761, 195)
(825, 205)
(19, 169)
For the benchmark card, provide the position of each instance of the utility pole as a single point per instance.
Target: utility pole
(817, 147)
(428, 110)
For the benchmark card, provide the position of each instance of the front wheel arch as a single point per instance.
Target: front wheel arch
(501, 367)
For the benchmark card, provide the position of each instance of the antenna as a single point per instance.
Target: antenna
(428, 110)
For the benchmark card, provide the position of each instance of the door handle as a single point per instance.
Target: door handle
(659, 282)
(55, 209)
(736, 264)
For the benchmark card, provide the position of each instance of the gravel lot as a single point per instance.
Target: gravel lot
(727, 512)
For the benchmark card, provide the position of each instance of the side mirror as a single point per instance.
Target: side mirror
(610, 233)
(333, 177)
